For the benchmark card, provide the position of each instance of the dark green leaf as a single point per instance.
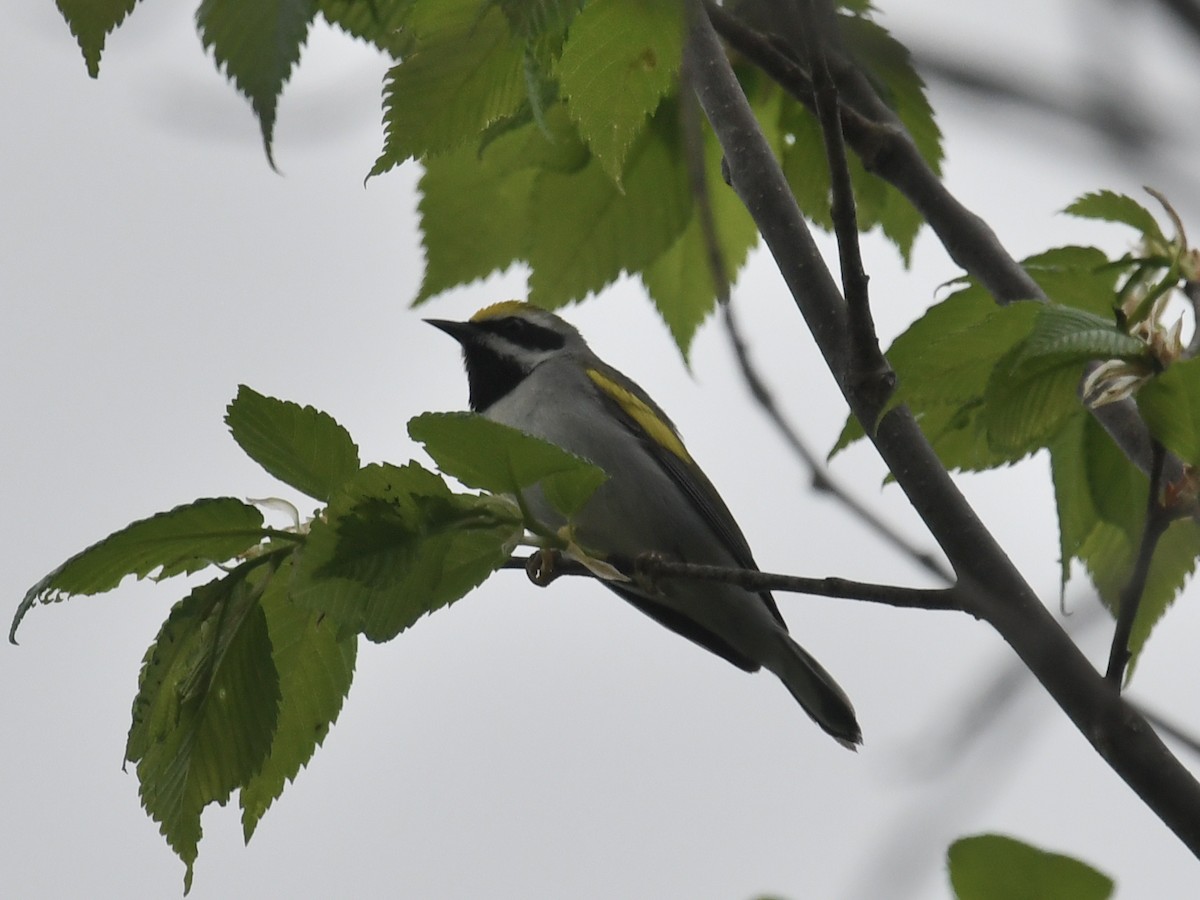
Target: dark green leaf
(1170, 404)
(378, 22)
(493, 457)
(619, 61)
(299, 445)
(315, 669)
(465, 71)
(395, 544)
(186, 539)
(994, 867)
(91, 21)
(257, 42)
(205, 712)
(585, 231)
(1110, 206)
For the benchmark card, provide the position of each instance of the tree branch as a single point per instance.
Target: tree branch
(650, 568)
(1158, 519)
(992, 588)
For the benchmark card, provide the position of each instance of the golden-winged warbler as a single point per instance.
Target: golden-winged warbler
(529, 369)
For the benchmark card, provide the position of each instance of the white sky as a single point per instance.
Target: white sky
(525, 743)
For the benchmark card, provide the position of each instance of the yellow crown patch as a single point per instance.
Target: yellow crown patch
(497, 310)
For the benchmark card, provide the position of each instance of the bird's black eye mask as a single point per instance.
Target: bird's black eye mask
(524, 333)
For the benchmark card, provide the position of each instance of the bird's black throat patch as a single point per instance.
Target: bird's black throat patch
(490, 375)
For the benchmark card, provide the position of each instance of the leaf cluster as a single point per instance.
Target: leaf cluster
(250, 669)
(550, 134)
(992, 385)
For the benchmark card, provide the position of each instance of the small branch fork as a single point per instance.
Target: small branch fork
(989, 586)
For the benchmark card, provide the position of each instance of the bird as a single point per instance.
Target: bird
(531, 370)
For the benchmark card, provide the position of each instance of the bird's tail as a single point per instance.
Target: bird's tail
(816, 691)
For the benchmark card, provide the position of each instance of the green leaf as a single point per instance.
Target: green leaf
(91, 21)
(584, 231)
(476, 208)
(377, 22)
(995, 867)
(681, 281)
(619, 61)
(1026, 403)
(257, 42)
(465, 71)
(205, 712)
(532, 18)
(1170, 404)
(1079, 277)
(184, 540)
(493, 457)
(301, 446)
(1109, 206)
(1064, 331)
(315, 670)
(396, 544)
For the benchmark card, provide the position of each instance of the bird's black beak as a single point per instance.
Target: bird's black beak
(460, 331)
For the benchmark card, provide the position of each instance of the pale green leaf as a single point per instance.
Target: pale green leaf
(1109, 206)
(1170, 404)
(299, 445)
(584, 231)
(995, 867)
(1026, 404)
(681, 282)
(465, 71)
(184, 540)
(205, 712)
(315, 670)
(256, 43)
(533, 18)
(1064, 331)
(91, 21)
(493, 457)
(620, 59)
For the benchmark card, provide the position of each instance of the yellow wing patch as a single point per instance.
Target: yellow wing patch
(638, 410)
(497, 310)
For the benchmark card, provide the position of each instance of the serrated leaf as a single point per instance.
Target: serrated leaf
(91, 21)
(299, 445)
(1109, 206)
(1078, 277)
(257, 43)
(315, 670)
(620, 59)
(1077, 515)
(995, 867)
(1026, 404)
(1170, 404)
(465, 71)
(584, 231)
(476, 207)
(183, 540)
(206, 707)
(1063, 331)
(681, 281)
(493, 457)
(378, 22)
(396, 544)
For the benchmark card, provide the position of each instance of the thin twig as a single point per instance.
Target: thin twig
(651, 567)
(821, 479)
(1158, 519)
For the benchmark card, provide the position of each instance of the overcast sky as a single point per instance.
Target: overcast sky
(524, 743)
